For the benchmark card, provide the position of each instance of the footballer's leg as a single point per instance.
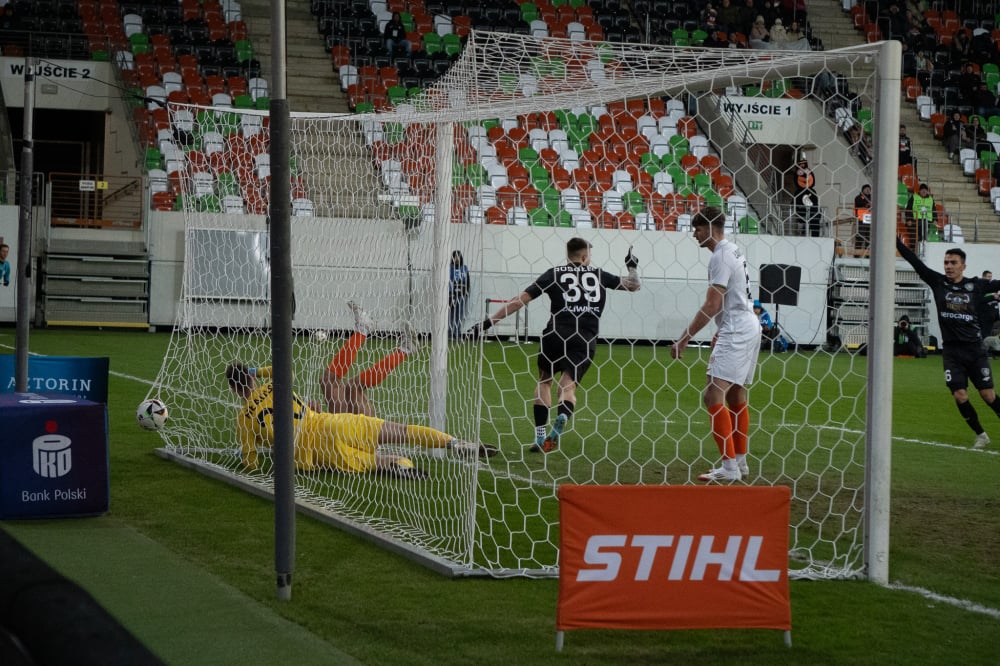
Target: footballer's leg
(419, 435)
(722, 431)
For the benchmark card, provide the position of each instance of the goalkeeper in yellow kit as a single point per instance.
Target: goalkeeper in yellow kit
(346, 437)
(345, 442)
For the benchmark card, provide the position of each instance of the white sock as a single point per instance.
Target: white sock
(540, 433)
(729, 464)
(741, 458)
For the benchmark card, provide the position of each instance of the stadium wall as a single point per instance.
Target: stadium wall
(504, 260)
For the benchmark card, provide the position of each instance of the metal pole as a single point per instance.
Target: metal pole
(441, 270)
(282, 311)
(23, 277)
(880, 315)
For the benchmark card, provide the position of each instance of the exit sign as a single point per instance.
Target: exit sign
(755, 124)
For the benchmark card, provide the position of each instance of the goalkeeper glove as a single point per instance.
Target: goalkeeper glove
(480, 328)
(631, 261)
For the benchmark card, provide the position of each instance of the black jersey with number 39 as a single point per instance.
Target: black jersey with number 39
(577, 294)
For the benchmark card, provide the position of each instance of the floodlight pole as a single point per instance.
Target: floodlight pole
(23, 278)
(282, 311)
(881, 312)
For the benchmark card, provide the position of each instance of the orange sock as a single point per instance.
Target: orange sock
(344, 358)
(722, 429)
(376, 374)
(741, 427)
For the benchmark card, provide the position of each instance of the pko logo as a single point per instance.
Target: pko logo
(51, 456)
(606, 563)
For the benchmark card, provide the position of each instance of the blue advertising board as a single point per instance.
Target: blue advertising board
(80, 376)
(53, 456)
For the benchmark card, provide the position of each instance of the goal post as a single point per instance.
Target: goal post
(523, 144)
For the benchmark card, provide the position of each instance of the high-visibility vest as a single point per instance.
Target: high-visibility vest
(923, 207)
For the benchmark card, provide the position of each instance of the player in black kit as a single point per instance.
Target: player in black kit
(959, 300)
(577, 293)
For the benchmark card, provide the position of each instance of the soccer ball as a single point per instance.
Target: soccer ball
(151, 414)
(319, 335)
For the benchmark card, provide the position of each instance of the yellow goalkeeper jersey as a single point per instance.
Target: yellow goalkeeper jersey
(341, 441)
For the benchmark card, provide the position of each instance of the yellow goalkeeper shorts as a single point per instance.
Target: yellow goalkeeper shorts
(346, 442)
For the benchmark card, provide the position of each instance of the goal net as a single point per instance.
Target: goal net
(523, 144)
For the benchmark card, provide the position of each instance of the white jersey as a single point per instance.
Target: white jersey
(734, 356)
(728, 268)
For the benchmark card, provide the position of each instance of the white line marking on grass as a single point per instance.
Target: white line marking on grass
(908, 440)
(951, 601)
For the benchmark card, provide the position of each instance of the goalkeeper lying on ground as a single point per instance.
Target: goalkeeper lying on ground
(347, 437)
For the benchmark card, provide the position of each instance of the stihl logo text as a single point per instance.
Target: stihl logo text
(683, 557)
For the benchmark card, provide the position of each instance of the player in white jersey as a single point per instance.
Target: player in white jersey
(729, 302)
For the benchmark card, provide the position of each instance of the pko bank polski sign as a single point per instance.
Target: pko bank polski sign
(54, 457)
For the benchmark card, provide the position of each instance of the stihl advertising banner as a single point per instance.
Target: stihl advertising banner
(666, 557)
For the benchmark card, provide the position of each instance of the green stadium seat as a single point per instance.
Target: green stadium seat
(563, 219)
(452, 44)
(539, 217)
(396, 94)
(748, 225)
(393, 132)
(432, 43)
(633, 202)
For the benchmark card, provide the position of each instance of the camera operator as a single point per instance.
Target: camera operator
(905, 341)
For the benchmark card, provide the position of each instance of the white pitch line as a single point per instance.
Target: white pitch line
(964, 604)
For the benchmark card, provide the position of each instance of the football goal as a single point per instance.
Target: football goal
(522, 145)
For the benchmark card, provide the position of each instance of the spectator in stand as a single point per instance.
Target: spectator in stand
(771, 11)
(728, 17)
(779, 38)
(968, 82)
(905, 149)
(863, 213)
(759, 34)
(961, 47)
(920, 211)
(919, 33)
(953, 134)
(867, 151)
(893, 24)
(748, 13)
(923, 68)
(710, 20)
(982, 46)
(985, 101)
(974, 136)
(794, 33)
(806, 201)
(395, 36)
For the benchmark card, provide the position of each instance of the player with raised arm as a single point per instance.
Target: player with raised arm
(959, 300)
(577, 295)
(731, 365)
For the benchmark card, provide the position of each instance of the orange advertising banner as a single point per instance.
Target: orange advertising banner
(673, 557)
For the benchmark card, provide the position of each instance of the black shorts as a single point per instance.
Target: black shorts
(964, 363)
(571, 356)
